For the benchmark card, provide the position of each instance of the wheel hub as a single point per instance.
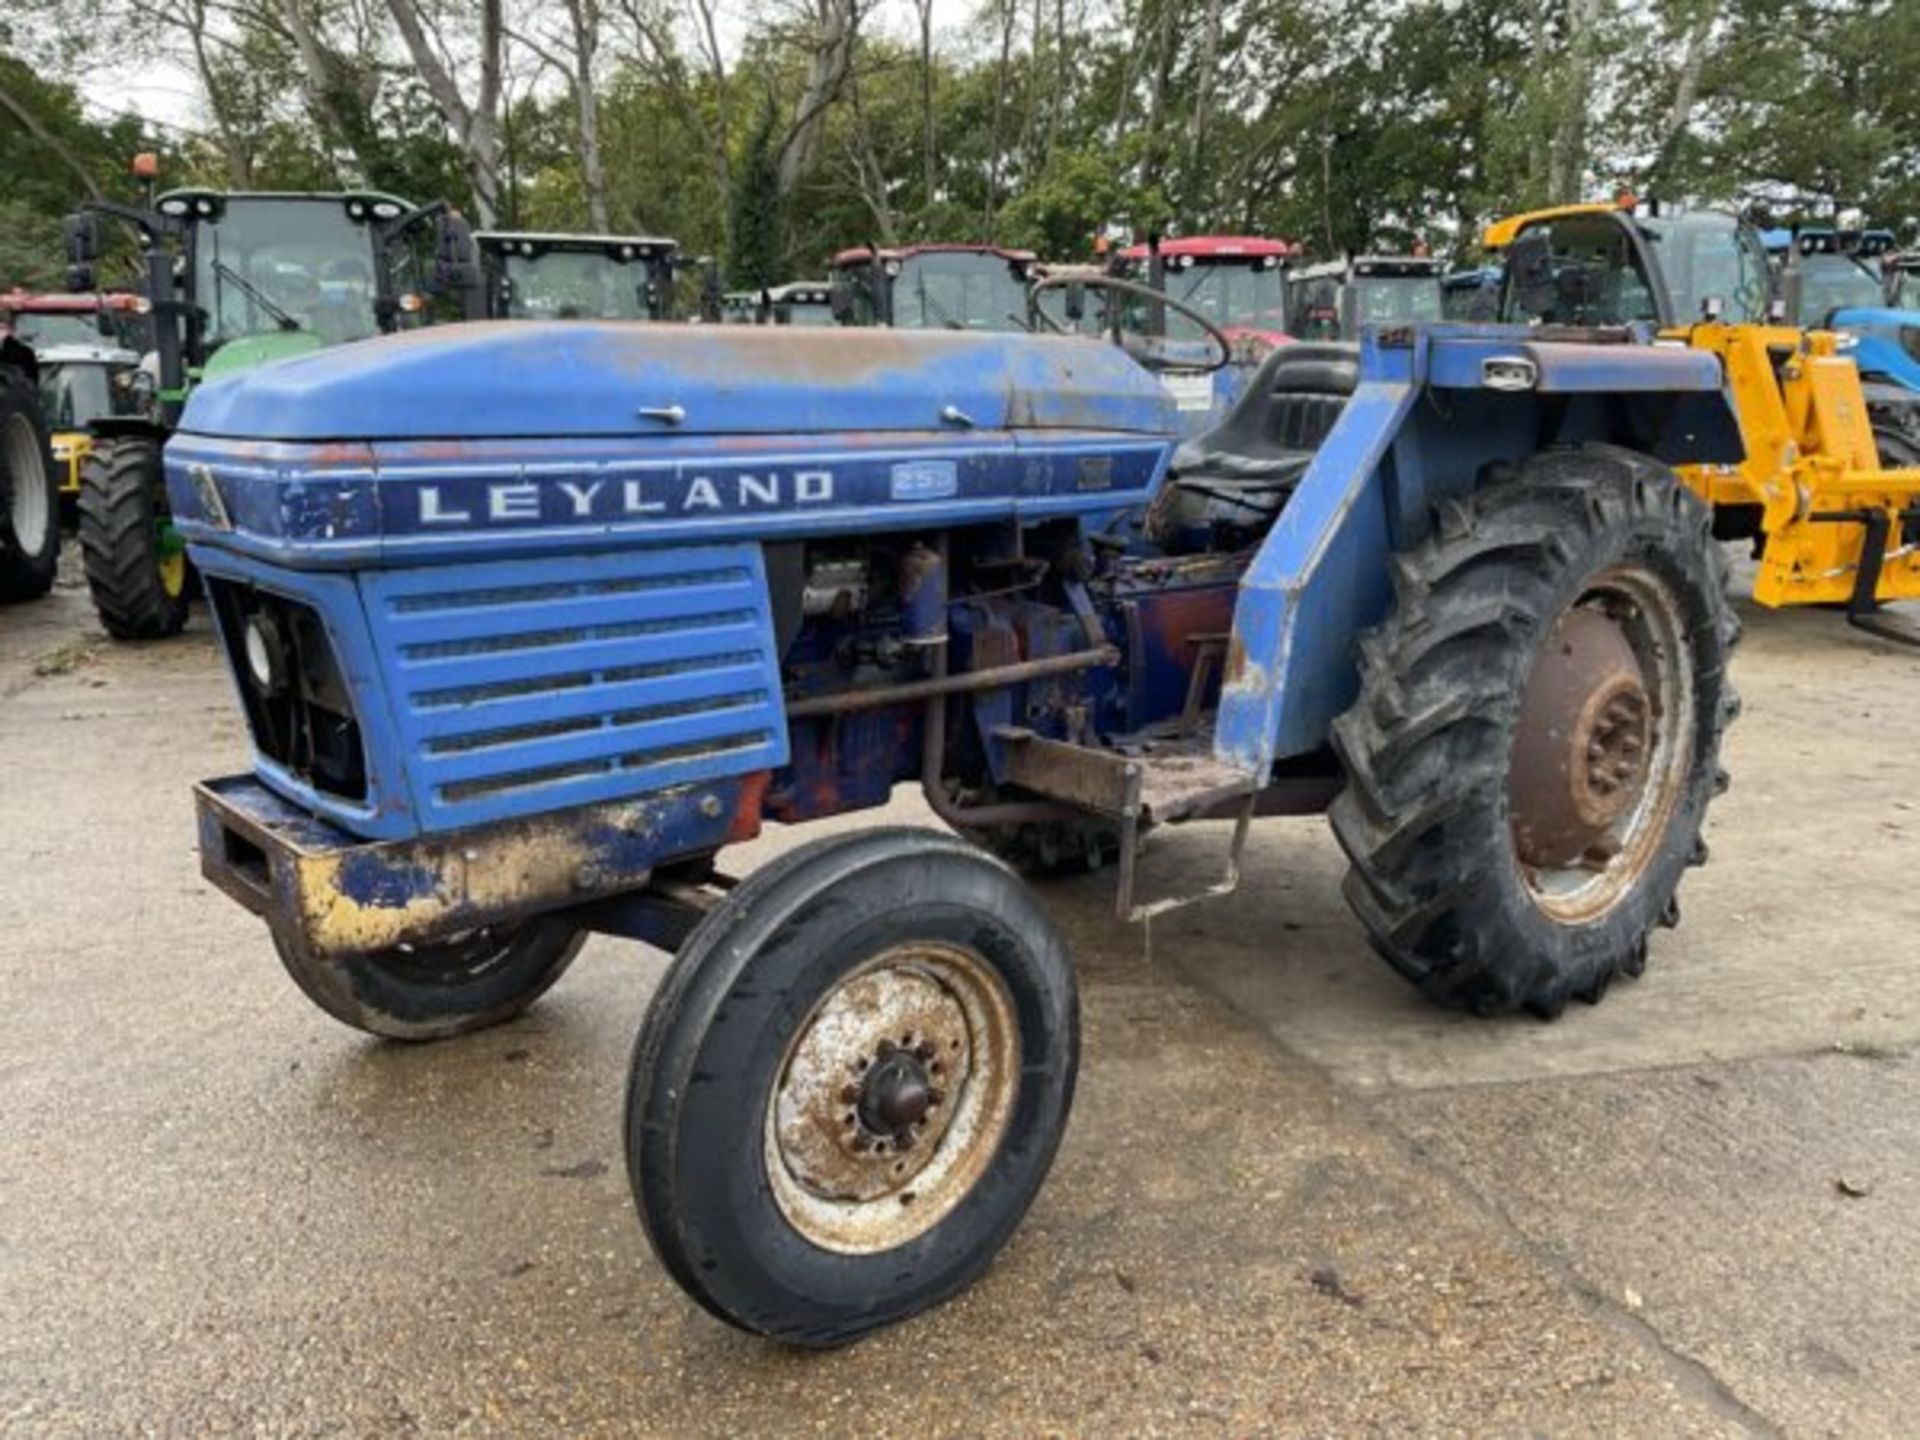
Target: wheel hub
(1582, 750)
(893, 1098)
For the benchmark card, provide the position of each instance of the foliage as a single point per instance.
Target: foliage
(1341, 123)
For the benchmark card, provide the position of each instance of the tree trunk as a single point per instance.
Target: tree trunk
(995, 145)
(1203, 92)
(584, 16)
(1567, 152)
(1686, 86)
(477, 125)
(929, 124)
(836, 29)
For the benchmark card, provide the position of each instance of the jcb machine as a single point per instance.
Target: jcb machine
(531, 622)
(234, 280)
(1822, 489)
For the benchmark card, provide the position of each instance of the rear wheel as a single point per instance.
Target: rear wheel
(136, 564)
(29, 495)
(1537, 734)
(434, 992)
(851, 1084)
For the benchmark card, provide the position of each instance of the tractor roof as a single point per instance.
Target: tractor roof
(1217, 247)
(1502, 233)
(802, 292)
(22, 302)
(1390, 267)
(550, 240)
(183, 202)
(860, 254)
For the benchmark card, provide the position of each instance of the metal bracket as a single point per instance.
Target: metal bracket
(1863, 606)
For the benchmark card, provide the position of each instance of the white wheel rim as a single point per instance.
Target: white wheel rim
(860, 1190)
(27, 514)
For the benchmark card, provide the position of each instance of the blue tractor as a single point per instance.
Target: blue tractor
(1850, 281)
(531, 622)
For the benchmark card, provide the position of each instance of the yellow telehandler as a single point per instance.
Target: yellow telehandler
(1830, 488)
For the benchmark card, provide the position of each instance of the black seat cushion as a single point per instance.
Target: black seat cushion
(1273, 430)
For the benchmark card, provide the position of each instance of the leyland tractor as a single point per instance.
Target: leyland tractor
(1828, 490)
(233, 280)
(531, 622)
(1337, 299)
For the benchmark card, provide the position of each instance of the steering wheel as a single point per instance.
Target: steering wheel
(1155, 352)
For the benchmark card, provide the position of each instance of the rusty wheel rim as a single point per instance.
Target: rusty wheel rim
(893, 1098)
(1601, 751)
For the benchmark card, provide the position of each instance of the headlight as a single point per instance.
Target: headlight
(266, 651)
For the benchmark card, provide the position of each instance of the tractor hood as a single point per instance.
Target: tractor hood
(527, 380)
(521, 438)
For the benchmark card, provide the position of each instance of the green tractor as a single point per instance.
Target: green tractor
(235, 280)
(531, 275)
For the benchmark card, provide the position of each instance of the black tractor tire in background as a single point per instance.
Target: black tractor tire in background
(29, 494)
(434, 992)
(1587, 551)
(851, 1084)
(123, 502)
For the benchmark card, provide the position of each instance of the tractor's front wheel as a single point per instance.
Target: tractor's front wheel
(136, 565)
(851, 1084)
(29, 495)
(1538, 733)
(434, 992)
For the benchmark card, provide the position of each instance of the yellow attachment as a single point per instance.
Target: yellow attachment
(1502, 233)
(1810, 453)
(70, 450)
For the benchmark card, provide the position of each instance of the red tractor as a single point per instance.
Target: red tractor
(933, 287)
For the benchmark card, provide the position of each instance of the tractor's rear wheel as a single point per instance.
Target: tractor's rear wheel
(136, 567)
(1537, 734)
(434, 992)
(851, 1084)
(29, 495)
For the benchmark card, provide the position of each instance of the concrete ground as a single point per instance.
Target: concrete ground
(1293, 1198)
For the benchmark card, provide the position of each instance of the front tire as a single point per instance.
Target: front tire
(29, 495)
(434, 992)
(135, 569)
(1537, 734)
(851, 1084)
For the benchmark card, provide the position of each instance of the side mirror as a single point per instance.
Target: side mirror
(840, 301)
(82, 233)
(456, 268)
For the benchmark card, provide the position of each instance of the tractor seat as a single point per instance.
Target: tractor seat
(1241, 472)
(1278, 422)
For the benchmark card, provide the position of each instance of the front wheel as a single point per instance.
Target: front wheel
(135, 561)
(29, 495)
(1538, 733)
(851, 1084)
(434, 992)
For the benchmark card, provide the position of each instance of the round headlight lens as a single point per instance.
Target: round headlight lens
(266, 655)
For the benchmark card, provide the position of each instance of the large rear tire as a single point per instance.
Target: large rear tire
(1538, 733)
(135, 570)
(851, 1084)
(434, 992)
(29, 494)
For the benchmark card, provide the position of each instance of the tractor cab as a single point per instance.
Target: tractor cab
(932, 287)
(532, 276)
(1239, 282)
(806, 304)
(1851, 281)
(1335, 300)
(232, 280)
(741, 307)
(87, 351)
(1607, 266)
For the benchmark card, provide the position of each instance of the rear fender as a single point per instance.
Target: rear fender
(1429, 420)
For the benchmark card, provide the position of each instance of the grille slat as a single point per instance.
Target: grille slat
(533, 685)
(565, 619)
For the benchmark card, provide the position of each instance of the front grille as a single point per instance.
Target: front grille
(534, 685)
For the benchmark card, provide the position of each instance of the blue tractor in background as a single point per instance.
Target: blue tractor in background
(531, 622)
(1850, 281)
